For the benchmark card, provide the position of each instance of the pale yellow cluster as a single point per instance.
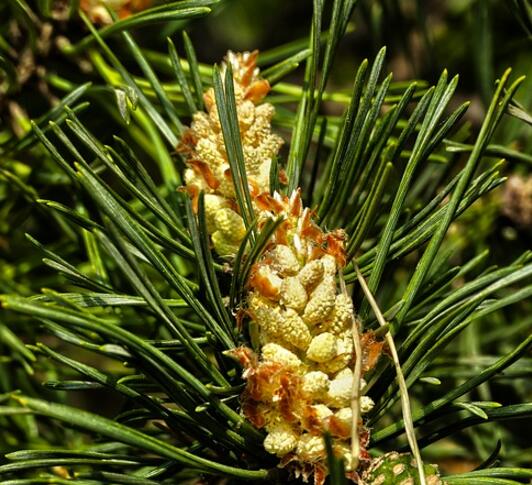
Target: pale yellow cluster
(517, 200)
(208, 167)
(305, 328)
(301, 382)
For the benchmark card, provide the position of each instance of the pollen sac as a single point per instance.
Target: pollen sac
(202, 129)
(246, 114)
(284, 260)
(281, 439)
(208, 152)
(226, 187)
(344, 354)
(321, 302)
(342, 315)
(276, 353)
(334, 365)
(256, 302)
(310, 447)
(340, 389)
(322, 412)
(315, 384)
(267, 316)
(322, 348)
(293, 294)
(230, 224)
(294, 330)
(224, 246)
(366, 404)
(193, 179)
(213, 203)
(229, 230)
(329, 265)
(311, 273)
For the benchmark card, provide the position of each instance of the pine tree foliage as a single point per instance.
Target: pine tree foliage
(141, 311)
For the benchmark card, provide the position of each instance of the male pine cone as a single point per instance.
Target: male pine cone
(300, 384)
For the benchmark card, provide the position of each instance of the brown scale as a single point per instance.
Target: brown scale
(297, 205)
(261, 283)
(281, 233)
(202, 168)
(193, 192)
(244, 356)
(187, 144)
(266, 202)
(311, 421)
(265, 380)
(371, 350)
(240, 315)
(283, 178)
(252, 412)
(337, 428)
(289, 395)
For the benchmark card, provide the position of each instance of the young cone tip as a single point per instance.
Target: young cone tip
(98, 10)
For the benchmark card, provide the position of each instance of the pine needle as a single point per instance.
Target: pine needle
(355, 390)
(405, 400)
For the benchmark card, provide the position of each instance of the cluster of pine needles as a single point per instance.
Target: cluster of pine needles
(115, 320)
